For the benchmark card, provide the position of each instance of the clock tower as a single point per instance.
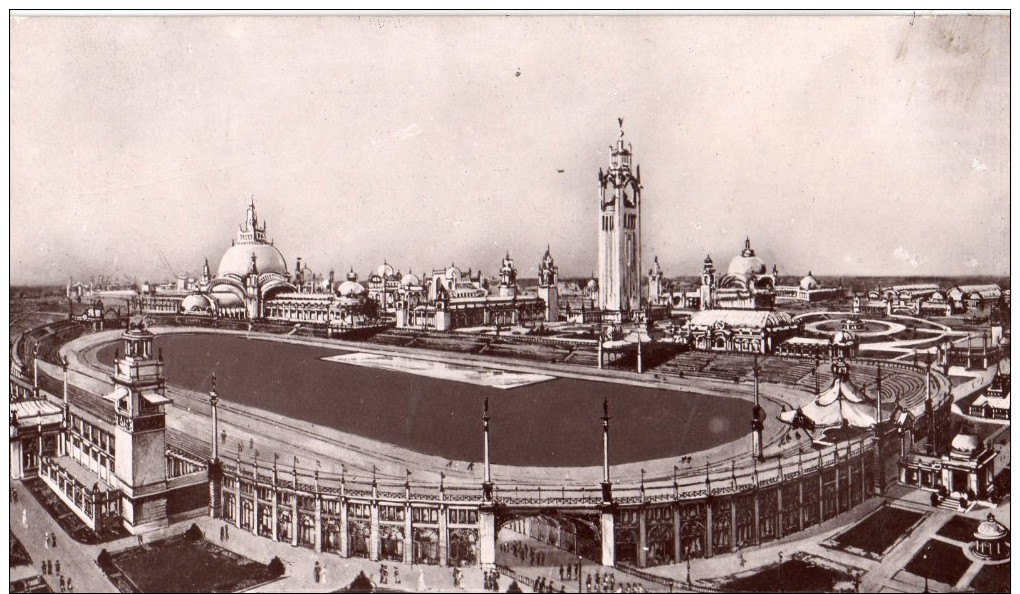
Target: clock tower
(620, 234)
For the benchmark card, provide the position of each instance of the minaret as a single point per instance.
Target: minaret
(507, 277)
(620, 234)
(707, 284)
(548, 290)
(655, 283)
(138, 399)
(253, 292)
(206, 276)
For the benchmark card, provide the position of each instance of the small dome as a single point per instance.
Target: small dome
(808, 283)
(350, 288)
(195, 302)
(990, 528)
(593, 284)
(966, 443)
(410, 280)
(384, 270)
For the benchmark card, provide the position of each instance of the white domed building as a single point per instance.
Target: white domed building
(251, 271)
(383, 285)
(747, 283)
(807, 289)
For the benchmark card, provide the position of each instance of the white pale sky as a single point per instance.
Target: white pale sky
(873, 145)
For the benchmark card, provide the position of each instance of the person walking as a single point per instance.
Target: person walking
(24, 518)
(56, 564)
(316, 570)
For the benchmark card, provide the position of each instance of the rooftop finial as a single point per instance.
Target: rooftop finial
(621, 126)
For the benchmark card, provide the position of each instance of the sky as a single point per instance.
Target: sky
(843, 145)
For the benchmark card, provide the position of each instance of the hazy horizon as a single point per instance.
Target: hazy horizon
(847, 146)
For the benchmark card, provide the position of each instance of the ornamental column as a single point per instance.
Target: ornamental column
(215, 466)
(65, 418)
(486, 511)
(757, 419)
(607, 506)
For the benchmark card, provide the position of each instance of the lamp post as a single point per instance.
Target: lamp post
(924, 556)
(580, 561)
(780, 568)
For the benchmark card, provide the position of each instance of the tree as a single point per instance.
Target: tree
(194, 533)
(514, 587)
(276, 567)
(360, 584)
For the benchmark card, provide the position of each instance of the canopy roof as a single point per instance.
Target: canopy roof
(842, 401)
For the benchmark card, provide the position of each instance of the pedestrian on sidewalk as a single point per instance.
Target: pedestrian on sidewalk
(42, 566)
(46, 540)
(53, 539)
(396, 575)
(316, 571)
(226, 531)
(322, 574)
(63, 585)
(24, 518)
(56, 564)
(49, 567)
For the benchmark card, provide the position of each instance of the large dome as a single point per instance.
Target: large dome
(808, 283)
(746, 266)
(237, 260)
(350, 288)
(966, 443)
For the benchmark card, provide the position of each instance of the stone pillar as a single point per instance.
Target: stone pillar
(779, 509)
(295, 519)
(487, 538)
(318, 521)
(608, 537)
(757, 516)
(345, 550)
(838, 498)
(677, 550)
(642, 554)
(800, 503)
(444, 537)
(408, 535)
(237, 496)
(374, 535)
(709, 528)
(733, 524)
(821, 491)
(276, 513)
(256, 510)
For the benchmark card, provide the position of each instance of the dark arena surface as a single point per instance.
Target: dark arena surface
(552, 423)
